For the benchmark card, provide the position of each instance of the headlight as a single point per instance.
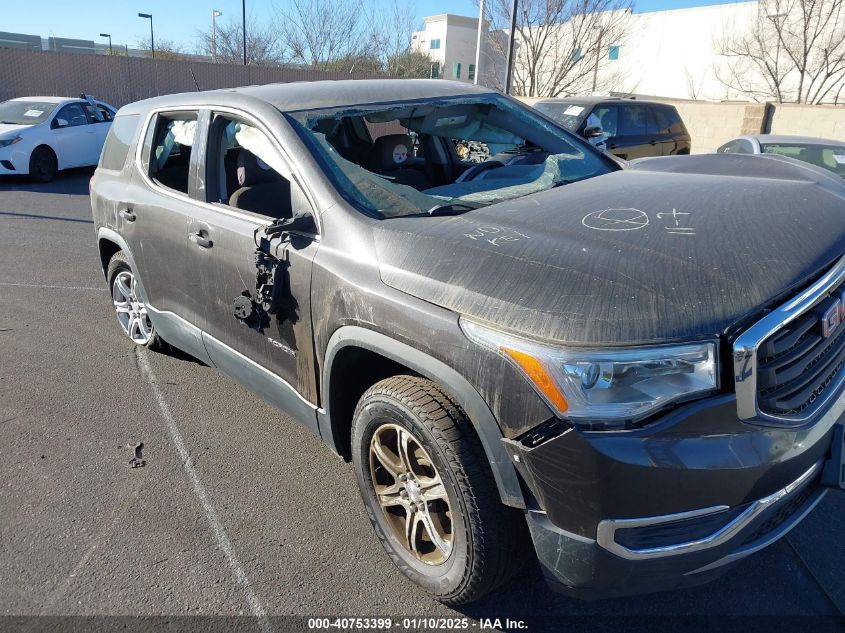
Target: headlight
(606, 384)
(4, 142)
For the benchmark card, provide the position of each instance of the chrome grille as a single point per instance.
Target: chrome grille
(797, 364)
(785, 369)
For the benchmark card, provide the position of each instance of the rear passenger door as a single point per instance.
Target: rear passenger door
(638, 133)
(249, 185)
(159, 207)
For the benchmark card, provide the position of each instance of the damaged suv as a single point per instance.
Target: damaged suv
(512, 336)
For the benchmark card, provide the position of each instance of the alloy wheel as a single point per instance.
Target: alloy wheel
(131, 311)
(411, 494)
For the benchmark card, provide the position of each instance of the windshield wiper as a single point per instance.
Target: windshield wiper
(453, 208)
(9, 123)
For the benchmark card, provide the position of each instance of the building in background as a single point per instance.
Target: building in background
(450, 41)
(677, 53)
(673, 54)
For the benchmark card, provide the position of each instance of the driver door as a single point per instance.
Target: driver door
(272, 356)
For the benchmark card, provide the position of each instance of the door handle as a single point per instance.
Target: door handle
(201, 240)
(127, 214)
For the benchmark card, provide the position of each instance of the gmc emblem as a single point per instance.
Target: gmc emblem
(833, 317)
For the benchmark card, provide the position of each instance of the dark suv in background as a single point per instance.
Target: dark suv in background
(629, 128)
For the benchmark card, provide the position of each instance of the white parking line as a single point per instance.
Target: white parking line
(8, 283)
(199, 490)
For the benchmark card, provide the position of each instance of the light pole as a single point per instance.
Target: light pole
(108, 35)
(478, 40)
(598, 58)
(214, 15)
(149, 16)
(243, 25)
(511, 39)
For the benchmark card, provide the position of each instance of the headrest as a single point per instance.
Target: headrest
(252, 170)
(392, 151)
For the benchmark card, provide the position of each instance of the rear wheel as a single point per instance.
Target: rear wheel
(429, 491)
(43, 165)
(130, 309)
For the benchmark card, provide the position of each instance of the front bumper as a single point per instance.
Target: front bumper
(14, 160)
(671, 505)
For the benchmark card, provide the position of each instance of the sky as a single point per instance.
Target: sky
(180, 20)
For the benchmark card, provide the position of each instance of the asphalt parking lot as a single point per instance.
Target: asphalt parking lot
(238, 510)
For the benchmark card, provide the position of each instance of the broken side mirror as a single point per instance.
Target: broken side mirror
(593, 131)
(303, 224)
(301, 207)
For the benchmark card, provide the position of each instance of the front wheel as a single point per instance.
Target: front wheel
(130, 309)
(43, 164)
(429, 491)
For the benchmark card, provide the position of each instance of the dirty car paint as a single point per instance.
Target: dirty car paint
(670, 249)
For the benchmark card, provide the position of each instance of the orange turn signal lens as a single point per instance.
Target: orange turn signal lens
(535, 370)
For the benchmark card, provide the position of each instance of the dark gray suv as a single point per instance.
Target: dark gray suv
(638, 369)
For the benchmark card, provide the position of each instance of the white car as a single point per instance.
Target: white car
(821, 152)
(41, 135)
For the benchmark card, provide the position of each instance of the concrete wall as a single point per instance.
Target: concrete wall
(821, 121)
(711, 124)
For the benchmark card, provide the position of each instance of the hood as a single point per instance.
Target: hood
(7, 129)
(669, 249)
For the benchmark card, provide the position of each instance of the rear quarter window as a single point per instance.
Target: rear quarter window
(119, 140)
(669, 121)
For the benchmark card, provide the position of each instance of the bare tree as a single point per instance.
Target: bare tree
(793, 51)
(164, 49)
(351, 36)
(390, 30)
(562, 46)
(324, 34)
(263, 44)
(693, 86)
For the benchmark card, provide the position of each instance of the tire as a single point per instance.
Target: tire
(130, 310)
(43, 165)
(486, 539)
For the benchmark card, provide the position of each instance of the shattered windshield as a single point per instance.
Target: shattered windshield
(443, 156)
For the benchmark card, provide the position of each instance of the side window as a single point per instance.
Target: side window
(668, 121)
(609, 117)
(73, 114)
(745, 147)
(738, 146)
(118, 141)
(104, 113)
(245, 171)
(638, 120)
(170, 150)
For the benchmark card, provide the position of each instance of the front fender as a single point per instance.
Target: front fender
(444, 376)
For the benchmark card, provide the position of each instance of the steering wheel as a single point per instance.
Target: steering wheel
(473, 172)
